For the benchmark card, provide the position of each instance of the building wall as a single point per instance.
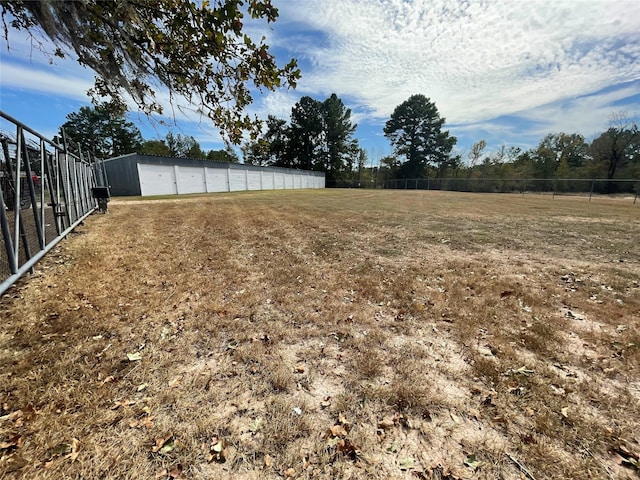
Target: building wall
(122, 176)
(148, 175)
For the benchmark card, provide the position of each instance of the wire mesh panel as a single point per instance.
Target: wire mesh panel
(555, 186)
(45, 190)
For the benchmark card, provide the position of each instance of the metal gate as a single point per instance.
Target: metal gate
(45, 192)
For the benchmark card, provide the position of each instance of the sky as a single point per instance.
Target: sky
(506, 71)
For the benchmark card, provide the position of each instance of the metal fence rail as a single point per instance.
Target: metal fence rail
(45, 192)
(555, 186)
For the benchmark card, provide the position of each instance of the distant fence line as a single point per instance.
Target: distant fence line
(45, 192)
(555, 186)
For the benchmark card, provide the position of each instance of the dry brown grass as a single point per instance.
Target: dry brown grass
(329, 334)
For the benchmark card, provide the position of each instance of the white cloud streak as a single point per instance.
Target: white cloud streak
(476, 59)
(27, 77)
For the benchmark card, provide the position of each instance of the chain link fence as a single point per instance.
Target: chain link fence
(555, 186)
(45, 192)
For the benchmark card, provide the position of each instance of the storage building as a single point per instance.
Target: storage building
(148, 175)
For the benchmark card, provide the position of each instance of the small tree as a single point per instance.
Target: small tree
(183, 146)
(277, 136)
(415, 131)
(614, 148)
(475, 154)
(256, 152)
(306, 132)
(102, 131)
(340, 148)
(272, 147)
(226, 155)
(155, 147)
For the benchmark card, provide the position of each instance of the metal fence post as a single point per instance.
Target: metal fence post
(32, 191)
(68, 182)
(6, 234)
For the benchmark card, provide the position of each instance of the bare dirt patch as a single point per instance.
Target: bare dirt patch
(329, 334)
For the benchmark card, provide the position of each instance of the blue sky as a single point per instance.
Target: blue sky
(505, 71)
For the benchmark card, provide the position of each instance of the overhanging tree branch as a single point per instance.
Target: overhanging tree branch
(195, 50)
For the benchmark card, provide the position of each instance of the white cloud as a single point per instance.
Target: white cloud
(26, 77)
(476, 60)
(591, 112)
(277, 103)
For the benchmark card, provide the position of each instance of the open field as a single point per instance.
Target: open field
(329, 334)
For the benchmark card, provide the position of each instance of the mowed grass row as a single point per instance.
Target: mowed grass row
(329, 334)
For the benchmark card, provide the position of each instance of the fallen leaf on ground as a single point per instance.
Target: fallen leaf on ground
(14, 442)
(11, 416)
(75, 443)
(338, 431)
(175, 473)
(472, 462)
(525, 371)
(175, 381)
(123, 403)
(345, 447)
(626, 457)
(406, 463)
(342, 420)
(134, 357)
(386, 423)
(219, 451)
(164, 445)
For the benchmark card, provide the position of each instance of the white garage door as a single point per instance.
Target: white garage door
(278, 181)
(217, 180)
(157, 179)
(253, 180)
(267, 180)
(191, 180)
(237, 180)
(288, 180)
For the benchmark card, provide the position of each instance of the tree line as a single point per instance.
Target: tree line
(612, 154)
(320, 135)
